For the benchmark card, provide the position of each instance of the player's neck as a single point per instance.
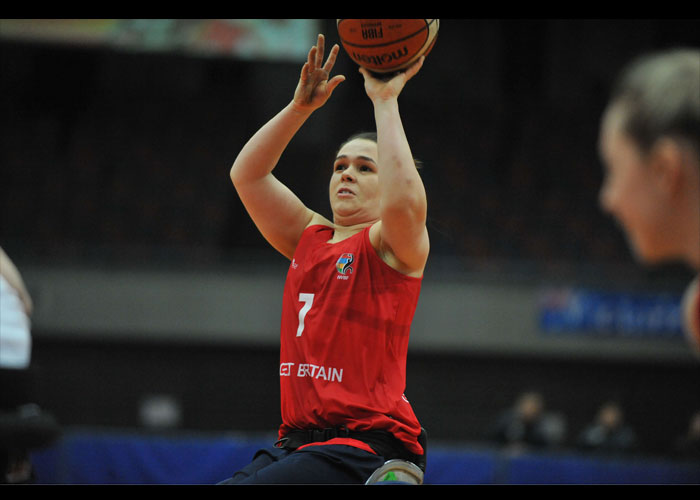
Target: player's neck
(341, 232)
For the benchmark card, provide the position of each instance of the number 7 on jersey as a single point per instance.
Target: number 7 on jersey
(308, 300)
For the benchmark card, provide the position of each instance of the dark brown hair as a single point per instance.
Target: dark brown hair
(372, 136)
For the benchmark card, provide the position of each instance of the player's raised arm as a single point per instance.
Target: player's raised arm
(403, 237)
(277, 212)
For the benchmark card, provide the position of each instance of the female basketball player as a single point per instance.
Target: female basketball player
(351, 289)
(649, 144)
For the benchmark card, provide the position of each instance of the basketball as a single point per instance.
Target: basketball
(387, 45)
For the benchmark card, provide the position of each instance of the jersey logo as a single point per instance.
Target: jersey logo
(343, 265)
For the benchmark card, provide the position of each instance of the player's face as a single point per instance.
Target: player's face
(354, 185)
(631, 192)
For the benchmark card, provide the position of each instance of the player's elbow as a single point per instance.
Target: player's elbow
(237, 174)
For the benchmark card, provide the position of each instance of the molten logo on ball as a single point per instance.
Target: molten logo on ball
(380, 59)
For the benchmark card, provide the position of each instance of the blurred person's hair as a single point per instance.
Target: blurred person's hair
(659, 96)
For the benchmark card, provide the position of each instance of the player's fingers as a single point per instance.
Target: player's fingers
(321, 48)
(414, 68)
(311, 59)
(332, 56)
(304, 72)
(334, 82)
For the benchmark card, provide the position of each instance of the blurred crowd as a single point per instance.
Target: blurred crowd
(108, 161)
(530, 425)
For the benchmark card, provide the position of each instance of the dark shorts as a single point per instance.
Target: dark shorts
(318, 464)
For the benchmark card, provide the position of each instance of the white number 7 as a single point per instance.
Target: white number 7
(308, 299)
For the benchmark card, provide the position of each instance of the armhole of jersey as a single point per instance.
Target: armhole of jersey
(375, 253)
(315, 229)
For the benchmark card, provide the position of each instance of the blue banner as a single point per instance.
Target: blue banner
(618, 314)
(98, 458)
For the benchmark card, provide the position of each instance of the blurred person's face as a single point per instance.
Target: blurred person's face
(635, 193)
(354, 185)
(610, 416)
(530, 407)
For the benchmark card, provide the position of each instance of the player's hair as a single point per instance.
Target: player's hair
(372, 136)
(659, 96)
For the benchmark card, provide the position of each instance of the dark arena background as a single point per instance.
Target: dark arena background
(155, 329)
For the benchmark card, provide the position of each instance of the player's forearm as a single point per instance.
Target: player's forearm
(261, 153)
(401, 186)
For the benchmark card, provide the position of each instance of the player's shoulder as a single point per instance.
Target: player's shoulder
(387, 254)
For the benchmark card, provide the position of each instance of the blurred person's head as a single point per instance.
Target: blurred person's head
(649, 144)
(610, 415)
(530, 405)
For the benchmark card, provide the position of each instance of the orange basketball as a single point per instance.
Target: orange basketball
(387, 45)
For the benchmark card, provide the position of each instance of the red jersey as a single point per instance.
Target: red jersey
(346, 318)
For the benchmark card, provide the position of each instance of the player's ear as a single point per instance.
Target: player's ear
(666, 161)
